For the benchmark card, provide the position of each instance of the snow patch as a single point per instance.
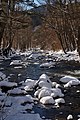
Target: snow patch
(44, 81)
(59, 100)
(16, 62)
(70, 117)
(16, 91)
(66, 79)
(24, 99)
(29, 84)
(7, 84)
(72, 83)
(47, 100)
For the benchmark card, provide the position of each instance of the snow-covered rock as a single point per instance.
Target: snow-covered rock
(44, 77)
(72, 83)
(34, 56)
(56, 92)
(47, 100)
(44, 92)
(66, 79)
(47, 65)
(70, 117)
(44, 81)
(7, 84)
(54, 84)
(37, 92)
(58, 86)
(16, 62)
(16, 91)
(24, 99)
(59, 100)
(45, 84)
(29, 84)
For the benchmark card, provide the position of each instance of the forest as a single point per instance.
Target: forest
(24, 24)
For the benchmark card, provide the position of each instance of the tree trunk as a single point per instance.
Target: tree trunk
(78, 41)
(2, 25)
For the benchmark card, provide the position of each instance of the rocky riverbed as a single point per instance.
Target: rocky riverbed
(24, 70)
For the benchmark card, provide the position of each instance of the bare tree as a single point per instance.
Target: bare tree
(63, 16)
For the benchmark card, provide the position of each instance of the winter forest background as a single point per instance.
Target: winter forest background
(48, 24)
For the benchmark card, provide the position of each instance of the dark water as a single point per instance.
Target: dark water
(33, 71)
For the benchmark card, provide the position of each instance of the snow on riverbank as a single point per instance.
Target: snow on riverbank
(39, 54)
(21, 116)
(5, 83)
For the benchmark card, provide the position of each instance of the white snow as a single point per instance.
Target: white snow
(44, 84)
(37, 92)
(56, 92)
(29, 84)
(34, 55)
(24, 99)
(58, 86)
(60, 55)
(66, 79)
(44, 92)
(47, 100)
(27, 116)
(54, 84)
(49, 90)
(18, 67)
(59, 100)
(44, 77)
(79, 116)
(16, 62)
(44, 81)
(71, 83)
(7, 84)
(16, 91)
(70, 117)
(48, 64)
